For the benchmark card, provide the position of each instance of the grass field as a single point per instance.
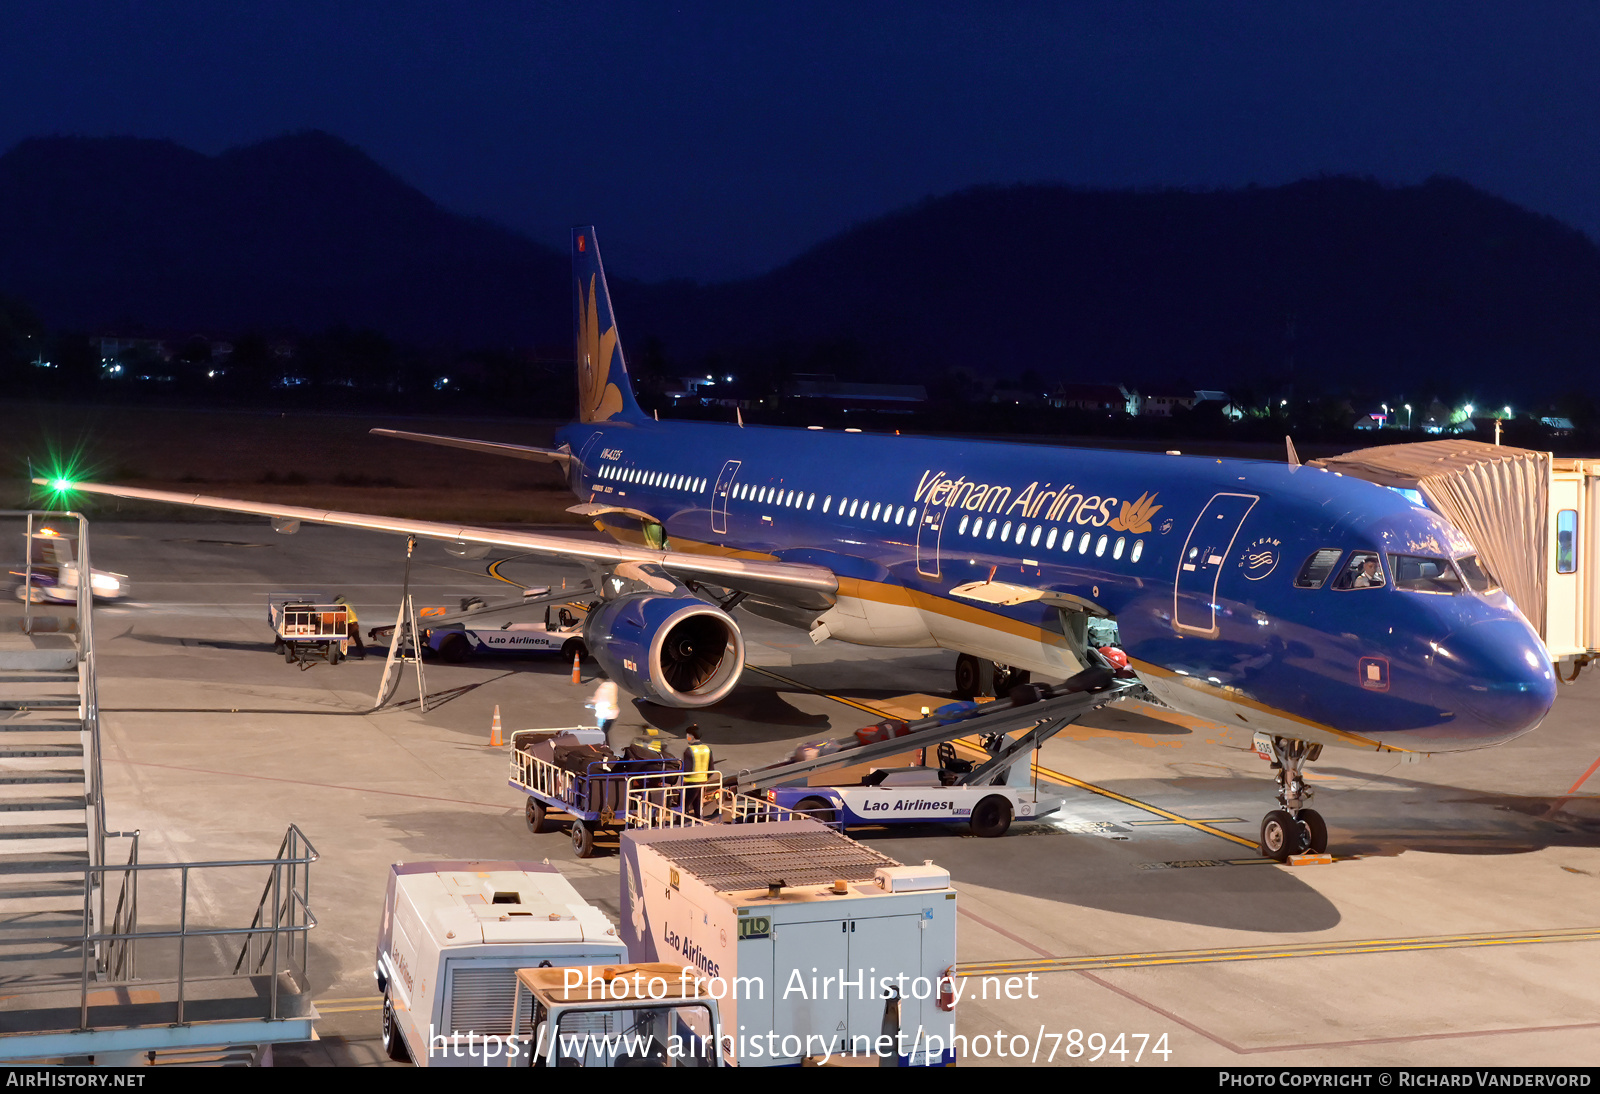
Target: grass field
(323, 460)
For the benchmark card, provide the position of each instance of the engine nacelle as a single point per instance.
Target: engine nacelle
(679, 651)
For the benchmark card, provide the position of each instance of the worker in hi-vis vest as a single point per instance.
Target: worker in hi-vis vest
(697, 769)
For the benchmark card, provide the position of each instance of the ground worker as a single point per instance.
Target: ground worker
(352, 629)
(647, 746)
(697, 770)
(605, 705)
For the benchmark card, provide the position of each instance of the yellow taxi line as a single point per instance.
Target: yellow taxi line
(1270, 953)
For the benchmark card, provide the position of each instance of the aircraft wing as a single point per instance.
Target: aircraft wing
(493, 448)
(795, 583)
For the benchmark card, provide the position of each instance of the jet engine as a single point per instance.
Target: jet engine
(663, 643)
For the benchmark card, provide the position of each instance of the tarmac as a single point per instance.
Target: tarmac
(1459, 923)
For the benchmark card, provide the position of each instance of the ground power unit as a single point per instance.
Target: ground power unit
(819, 946)
(454, 935)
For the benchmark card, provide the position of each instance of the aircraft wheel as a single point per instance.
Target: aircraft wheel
(1006, 678)
(582, 839)
(1314, 830)
(1280, 835)
(394, 1046)
(991, 817)
(966, 676)
(817, 809)
(536, 813)
(454, 648)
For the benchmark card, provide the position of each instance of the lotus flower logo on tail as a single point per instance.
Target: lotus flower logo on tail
(598, 398)
(1135, 515)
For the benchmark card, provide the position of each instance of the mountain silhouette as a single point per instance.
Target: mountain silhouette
(1327, 282)
(299, 232)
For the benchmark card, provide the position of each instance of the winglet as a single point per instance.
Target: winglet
(604, 393)
(1294, 457)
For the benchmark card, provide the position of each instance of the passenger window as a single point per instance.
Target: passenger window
(1479, 579)
(961, 531)
(1420, 574)
(827, 502)
(1050, 540)
(990, 534)
(1116, 552)
(853, 505)
(812, 500)
(1317, 568)
(1138, 549)
(900, 515)
(1066, 540)
(1083, 544)
(876, 509)
(1033, 540)
(1567, 541)
(1022, 531)
(1005, 533)
(1100, 546)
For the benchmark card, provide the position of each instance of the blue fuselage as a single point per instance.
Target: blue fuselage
(1206, 566)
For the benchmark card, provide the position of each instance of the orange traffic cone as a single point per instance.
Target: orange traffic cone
(494, 729)
(576, 676)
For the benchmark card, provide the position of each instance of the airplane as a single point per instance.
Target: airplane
(1305, 607)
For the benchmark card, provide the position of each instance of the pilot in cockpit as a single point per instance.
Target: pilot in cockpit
(1369, 574)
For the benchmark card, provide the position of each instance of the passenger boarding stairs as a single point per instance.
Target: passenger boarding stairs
(50, 813)
(81, 979)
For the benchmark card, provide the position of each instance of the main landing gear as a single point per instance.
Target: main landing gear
(975, 676)
(1293, 829)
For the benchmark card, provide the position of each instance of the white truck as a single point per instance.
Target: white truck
(641, 1015)
(51, 574)
(821, 947)
(451, 941)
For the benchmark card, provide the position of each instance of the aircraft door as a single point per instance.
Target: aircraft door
(1205, 552)
(583, 466)
(719, 497)
(930, 530)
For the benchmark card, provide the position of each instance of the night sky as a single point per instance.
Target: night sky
(714, 141)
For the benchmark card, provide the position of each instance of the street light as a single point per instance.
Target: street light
(1408, 415)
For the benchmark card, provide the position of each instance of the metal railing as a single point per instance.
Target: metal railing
(89, 698)
(658, 799)
(276, 935)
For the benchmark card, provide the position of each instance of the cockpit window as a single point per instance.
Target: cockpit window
(1317, 568)
(1479, 579)
(1364, 570)
(1420, 574)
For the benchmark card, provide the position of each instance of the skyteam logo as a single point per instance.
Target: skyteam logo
(1261, 557)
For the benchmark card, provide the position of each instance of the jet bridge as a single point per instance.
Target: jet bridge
(1534, 517)
(1042, 711)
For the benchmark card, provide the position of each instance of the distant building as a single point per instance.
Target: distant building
(1161, 402)
(1111, 398)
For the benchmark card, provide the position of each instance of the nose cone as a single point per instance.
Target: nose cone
(1497, 678)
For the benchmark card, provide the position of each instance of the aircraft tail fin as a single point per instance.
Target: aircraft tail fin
(604, 392)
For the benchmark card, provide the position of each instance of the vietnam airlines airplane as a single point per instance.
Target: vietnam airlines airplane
(1308, 608)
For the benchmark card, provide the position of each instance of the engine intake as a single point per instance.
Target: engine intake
(679, 651)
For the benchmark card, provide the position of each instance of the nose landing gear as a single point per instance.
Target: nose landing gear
(975, 677)
(1293, 829)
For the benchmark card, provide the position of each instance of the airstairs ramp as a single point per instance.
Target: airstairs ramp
(82, 978)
